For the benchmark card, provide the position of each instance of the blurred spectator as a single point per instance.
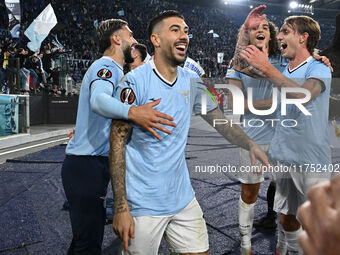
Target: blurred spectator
(73, 38)
(31, 66)
(3, 16)
(24, 73)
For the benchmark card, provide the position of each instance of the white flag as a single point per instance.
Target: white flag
(40, 28)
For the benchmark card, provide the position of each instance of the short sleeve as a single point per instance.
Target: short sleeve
(321, 72)
(101, 71)
(126, 91)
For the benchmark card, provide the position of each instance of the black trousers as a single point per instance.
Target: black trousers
(85, 180)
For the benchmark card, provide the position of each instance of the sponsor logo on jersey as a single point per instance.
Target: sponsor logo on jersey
(127, 96)
(104, 73)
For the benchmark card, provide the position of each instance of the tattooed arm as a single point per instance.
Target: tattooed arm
(252, 21)
(123, 224)
(234, 134)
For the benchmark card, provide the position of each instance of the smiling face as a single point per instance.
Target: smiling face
(290, 41)
(172, 40)
(260, 36)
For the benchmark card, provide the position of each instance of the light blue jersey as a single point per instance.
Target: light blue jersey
(96, 108)
(157, 178)
(308, 142)
(262, 89)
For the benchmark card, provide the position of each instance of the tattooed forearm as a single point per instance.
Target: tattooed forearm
(253, 72)
(233, 134)
(242, 43)
(239, 63)
(120, 132)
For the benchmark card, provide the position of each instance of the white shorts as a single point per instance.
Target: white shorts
(291, 190)
(249, 177)
(185, 232)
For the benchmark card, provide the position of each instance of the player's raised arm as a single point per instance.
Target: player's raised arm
(123, 224)
(252, 21)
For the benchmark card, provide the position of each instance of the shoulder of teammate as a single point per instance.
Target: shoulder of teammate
(278, 59)
(279, 62)
(131, 88)
(195, 79)
(318, 70)
(106, 70)
(231, 73)
(188, 73)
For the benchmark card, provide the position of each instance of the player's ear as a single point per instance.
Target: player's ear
(155, 40)
(304, 37)
(115, 39)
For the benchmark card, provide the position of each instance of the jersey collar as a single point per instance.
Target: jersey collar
(153, 66)
(302, 63)
(114, 62)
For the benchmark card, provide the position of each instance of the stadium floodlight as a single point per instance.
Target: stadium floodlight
(293, 5)
(251, 7)
(233, 2)
(302, 8)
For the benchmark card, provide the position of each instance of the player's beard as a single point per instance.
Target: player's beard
(178, 62)
(127, 54)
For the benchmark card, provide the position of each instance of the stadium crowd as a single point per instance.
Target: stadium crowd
(212, 30)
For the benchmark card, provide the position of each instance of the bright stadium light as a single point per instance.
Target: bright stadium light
(302, 8)
(293, 5)
(251, 7)
(233, 2)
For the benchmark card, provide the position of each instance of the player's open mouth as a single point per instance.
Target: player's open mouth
(181, 48)
(283, 48)
(260, 37)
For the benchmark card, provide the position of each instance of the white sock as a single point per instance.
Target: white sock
(245, 219)
(281, 246)
(293, 247)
